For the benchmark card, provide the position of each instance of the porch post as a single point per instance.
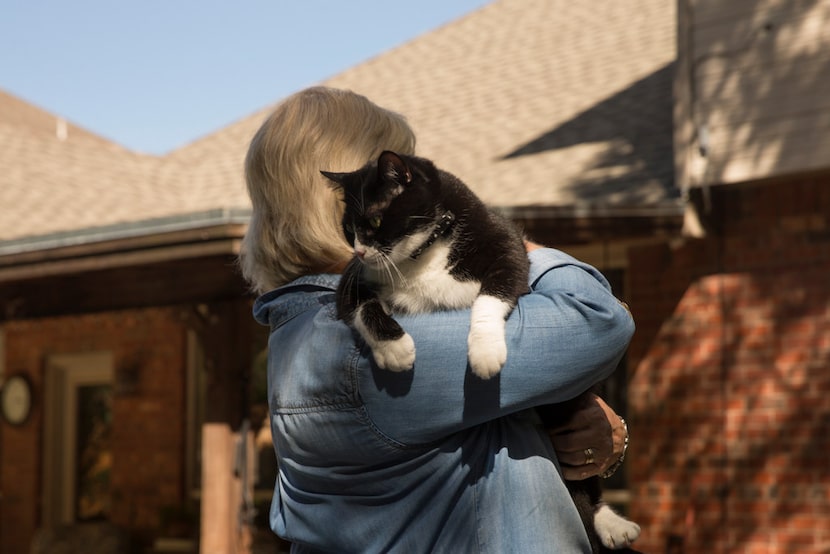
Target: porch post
(227, 342)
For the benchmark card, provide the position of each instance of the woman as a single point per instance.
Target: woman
(434, 459)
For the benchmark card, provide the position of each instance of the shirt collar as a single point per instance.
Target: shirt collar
(284, 301)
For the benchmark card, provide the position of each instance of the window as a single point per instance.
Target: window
(93, 451)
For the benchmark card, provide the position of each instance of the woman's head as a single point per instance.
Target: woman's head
(295, 224)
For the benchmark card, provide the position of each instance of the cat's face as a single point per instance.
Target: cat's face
(390, 208)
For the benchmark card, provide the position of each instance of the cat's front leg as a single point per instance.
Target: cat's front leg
(486, 346)
(359, 306)
(392, 348)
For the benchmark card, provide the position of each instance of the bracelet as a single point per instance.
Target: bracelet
(616, 465)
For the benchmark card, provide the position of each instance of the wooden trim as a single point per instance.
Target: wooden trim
(87, 263)
(562, 231)
(123, 244)
(172, 282)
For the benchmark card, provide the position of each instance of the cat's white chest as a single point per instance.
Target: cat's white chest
(428, 285)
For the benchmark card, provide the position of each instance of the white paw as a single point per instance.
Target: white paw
(486, 347)
(395, 355)
(487, 353)
(614, 530)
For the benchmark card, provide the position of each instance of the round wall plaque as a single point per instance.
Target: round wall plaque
(16, 399)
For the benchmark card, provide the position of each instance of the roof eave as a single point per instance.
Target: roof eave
(588, 210)
(209, 233)
(580, 224)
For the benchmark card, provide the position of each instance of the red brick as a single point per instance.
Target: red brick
(148, 427)
(763, 324)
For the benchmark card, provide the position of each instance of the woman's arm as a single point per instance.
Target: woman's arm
(567, 334)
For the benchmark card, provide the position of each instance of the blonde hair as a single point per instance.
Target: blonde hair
(295, 226)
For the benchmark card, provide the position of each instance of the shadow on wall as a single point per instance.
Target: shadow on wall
(636, 123)
(731, 402)
(758, 98)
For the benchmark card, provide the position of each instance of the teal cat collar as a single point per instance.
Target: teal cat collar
(442, 229)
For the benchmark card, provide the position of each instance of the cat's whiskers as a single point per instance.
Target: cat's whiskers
(388, 265)
(401, 276)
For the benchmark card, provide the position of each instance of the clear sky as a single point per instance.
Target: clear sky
(153, 75)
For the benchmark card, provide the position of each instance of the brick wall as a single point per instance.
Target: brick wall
(730, 378)
(148, 427)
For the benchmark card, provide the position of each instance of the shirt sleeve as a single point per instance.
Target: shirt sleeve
(564, 336)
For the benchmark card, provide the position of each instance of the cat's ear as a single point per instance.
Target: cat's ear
(392, 166)
(337, 179)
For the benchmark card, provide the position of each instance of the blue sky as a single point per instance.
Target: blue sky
(153, 75)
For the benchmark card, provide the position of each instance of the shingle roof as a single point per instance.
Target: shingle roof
(532, 102)
(60, 178)
(521, 72)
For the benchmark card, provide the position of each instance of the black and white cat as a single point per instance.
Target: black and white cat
(423, 241)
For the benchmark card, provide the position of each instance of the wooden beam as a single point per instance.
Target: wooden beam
(561, 231)
(227, 443)
(170, 282)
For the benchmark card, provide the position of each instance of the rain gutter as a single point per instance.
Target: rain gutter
(211, 232)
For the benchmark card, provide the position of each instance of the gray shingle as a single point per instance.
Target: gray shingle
(532, 102)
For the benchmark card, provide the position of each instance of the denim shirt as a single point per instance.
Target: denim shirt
(433, 459)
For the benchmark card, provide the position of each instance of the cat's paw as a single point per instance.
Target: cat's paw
(486, 348)
(614, 530)
(486, 353)
(395, 355)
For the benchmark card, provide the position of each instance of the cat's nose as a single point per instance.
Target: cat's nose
(360, 253)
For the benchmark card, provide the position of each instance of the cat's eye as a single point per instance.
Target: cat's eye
(375, 221)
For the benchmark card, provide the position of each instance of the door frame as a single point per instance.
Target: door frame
(64, 375)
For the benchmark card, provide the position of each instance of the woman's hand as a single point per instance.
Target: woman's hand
(592, 441)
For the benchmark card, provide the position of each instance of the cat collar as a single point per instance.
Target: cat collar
(442, 229)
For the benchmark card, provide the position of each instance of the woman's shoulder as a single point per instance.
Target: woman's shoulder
(543, 260)
(284, 303)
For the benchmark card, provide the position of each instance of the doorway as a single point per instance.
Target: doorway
(77, 438)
